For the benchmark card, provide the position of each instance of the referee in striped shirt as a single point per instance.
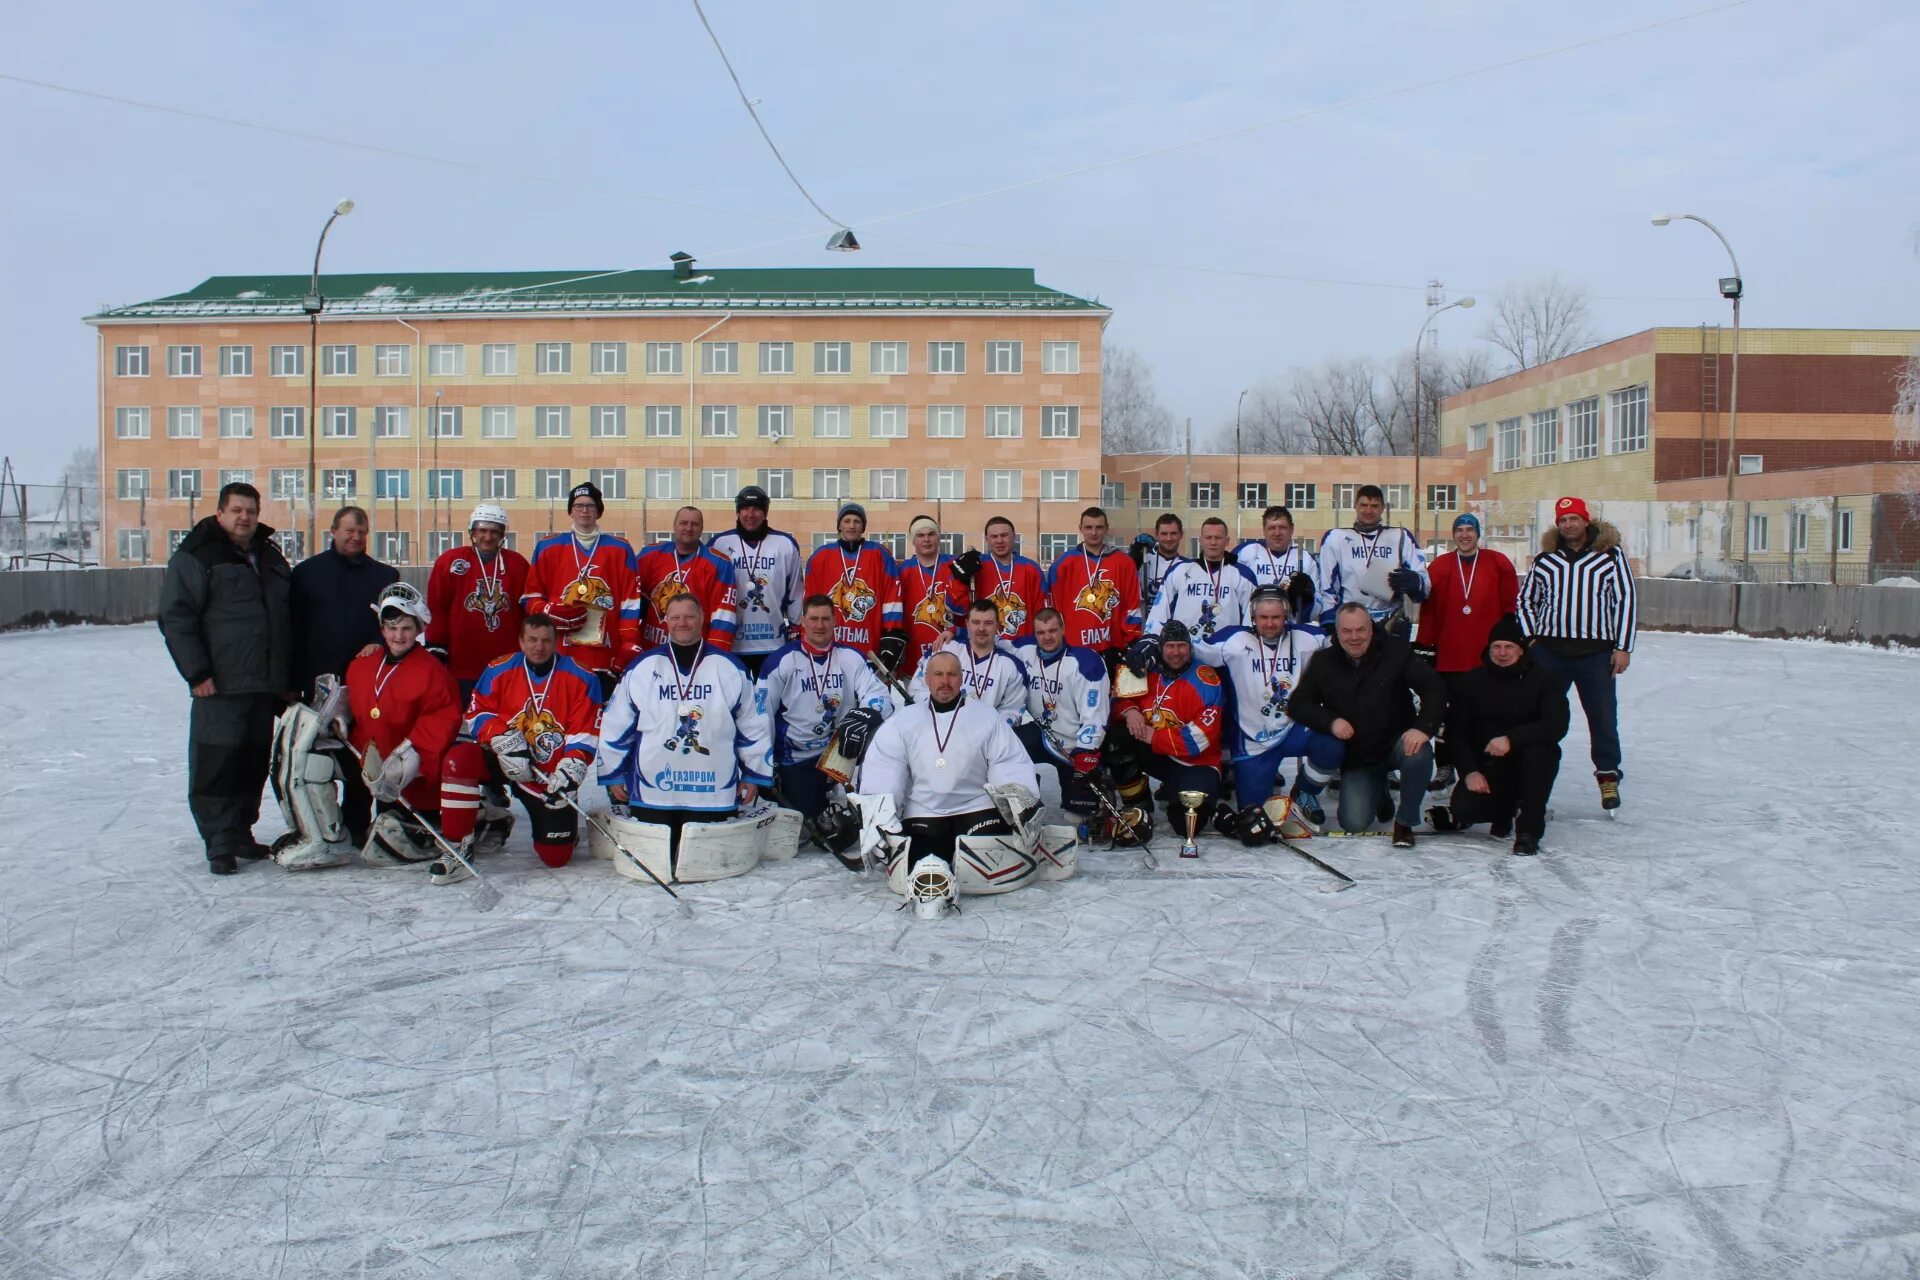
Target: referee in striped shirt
(1578, 604)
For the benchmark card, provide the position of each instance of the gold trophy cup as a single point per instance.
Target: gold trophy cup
(1190, 847)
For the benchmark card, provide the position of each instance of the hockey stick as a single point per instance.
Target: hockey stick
(485, 896)
(1111, 811)
(1347, 881)
(686, 912)
(889, 678)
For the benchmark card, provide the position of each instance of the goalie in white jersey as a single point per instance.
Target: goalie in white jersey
(683, 739)
(1374, 565)
(768, 572)
(992, 673)
(1209, 594)
(809, 687)
(1069, 703)
(1262, 666)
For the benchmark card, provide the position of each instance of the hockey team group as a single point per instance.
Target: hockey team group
(736, 698)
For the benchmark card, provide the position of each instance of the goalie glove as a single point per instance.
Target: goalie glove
(567, 618)
(1019, 806)
(966, 564)
(891, 649)
(515, 757)
(1143, 656)
(565, 779)
(396, 771)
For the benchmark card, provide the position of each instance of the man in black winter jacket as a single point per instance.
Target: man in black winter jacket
(1505, 723)
(225, 614)
(333, 598)
(1361, 690)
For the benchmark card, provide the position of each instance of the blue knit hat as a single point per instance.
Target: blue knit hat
(1467, 518)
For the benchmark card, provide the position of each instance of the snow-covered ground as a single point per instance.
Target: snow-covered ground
(1682, 1044)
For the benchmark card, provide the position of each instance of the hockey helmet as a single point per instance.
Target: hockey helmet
(488, 513)
(405, 598)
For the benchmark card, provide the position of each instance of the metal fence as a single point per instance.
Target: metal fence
(49, 526)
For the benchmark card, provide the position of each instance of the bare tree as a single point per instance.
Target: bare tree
(1540, 320)
(1132, 419)
(1354, 406)
(82, 474)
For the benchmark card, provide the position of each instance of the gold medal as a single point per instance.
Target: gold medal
(374, 714)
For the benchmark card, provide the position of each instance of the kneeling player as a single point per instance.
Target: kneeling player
(1171, 730)
(534, 719)
(1068, 706)
(806, 688)
(684, 738)
(405, 709)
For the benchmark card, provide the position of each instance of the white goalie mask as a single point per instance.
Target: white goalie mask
(930, 888)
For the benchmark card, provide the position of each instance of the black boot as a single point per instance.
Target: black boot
(1526, 844)
(222, 864)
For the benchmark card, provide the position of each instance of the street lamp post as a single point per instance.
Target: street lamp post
(313, 304)
(1420, 394)
(1239, 485)
(1731, 288)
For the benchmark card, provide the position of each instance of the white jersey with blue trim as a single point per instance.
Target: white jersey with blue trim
(1276, 568)
(1154, 569)
(1068, 695)
(685, 739)
(1354, 568)
(769, 577)
(803, 692)
(998, 680)
(1207, 599)
(1263, 675)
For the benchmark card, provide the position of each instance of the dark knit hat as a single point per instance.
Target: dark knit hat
(586, 489)
(1508, 629)
(1176, 630)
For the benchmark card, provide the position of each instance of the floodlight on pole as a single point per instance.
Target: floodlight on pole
(1732, 288)
(1420, 394)
(313, 304)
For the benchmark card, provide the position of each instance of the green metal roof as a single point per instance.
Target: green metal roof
(746, 289)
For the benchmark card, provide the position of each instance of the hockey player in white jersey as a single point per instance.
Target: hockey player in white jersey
(1376, 565)
(993, 673)
(1209, 594)
(1068, 706)
(807, 688)
(1262, 666)
(1157, 554)
(683, 739)
(1276, 560)
(768, 575)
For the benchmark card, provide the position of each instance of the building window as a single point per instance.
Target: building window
(833, 357)
(887, 484)
(833, 484)
(130, 362)
(496, 482)
(497, 359)
(1345, 495)
(286, 482)
(887, 422)
(1477, 436)
(497, 422)
(887, 357)
(1583, 429)
(720, 421)
(1799, 526)
(1113, 493)
(1003, 422)
(946, 484)
(946, 421)
(1000, 485)
(1156, 493)
(552, 421)
(1752, 464)
(1060, 422)
(392, 482)
(339, 360)
(390, 545)
(236, 475)
(390, 422)
(719, 357)
(1301, 497)
(662, 358)
(1055, 545)
(288, 362)
(446, 421)
(1059, 357)
(135, 423)
(183, 362)
(611, 357)
(777, 481)
(946, 357)
(339, 483)
(895, 543)
(1204, 495)
(1443, 497)
(611, 481)
(1059, 486)
(441, 540)
(292, 544)
(1757, 533)
(1627, 416)
(663, 421)
(776, 421)
(776, 357)
(236, 423)
(607, 421)
(1253, 495)
(130, 482)
(718, 483)
(183, 422)
(286, 422)
(1843, 529)
(446, 482)
(236, 362)
(392, 361)
(337, 422)
(550, 483)
(553, 357)
(1509, 444)
(447, 360)
(832, 422)
(1003, 357)
(1545, 428)
(134, 544)
(662, 483)
(1399, 496)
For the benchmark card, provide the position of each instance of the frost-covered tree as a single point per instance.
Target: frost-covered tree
(1132, 419)
(1540, 320)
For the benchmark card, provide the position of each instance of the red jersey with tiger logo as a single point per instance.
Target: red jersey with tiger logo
(597, 576)
(661, 573)
(409, 699)
(865, 588)
(1017, 589)
(933, 601)
(1186, 713)
(1098, 595)
(558, 714)
(475, 607)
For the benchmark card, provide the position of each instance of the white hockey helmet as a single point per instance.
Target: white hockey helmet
(405, 597)
(488, 513)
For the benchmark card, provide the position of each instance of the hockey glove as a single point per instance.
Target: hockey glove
(567, 618)
(1406, 582)
(1143, 656)
(891, 649)
(1137, 550)
(1300, 596)
(439, 651)
(516, 758)
(564, 780)
(857, 728)
(1084, 762)
(400, 767)
(966, 564)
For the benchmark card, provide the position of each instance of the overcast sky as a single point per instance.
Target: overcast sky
(1789, 123)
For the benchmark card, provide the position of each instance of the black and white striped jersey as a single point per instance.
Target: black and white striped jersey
(1589, 596)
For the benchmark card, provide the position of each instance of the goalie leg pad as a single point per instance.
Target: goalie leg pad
(783, 835)
(720, 850)
(396, 840)
(1057, 854)
(649, 842)
(304, 782)
(991, 864)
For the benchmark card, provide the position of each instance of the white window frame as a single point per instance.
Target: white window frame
(135, 544)
(946, 484)
(774, 421)
(133, 422)
(947, 357)
(609, 357)
(339, 360)
(1476, 437)
(832, 484)
(339, 484)
(1399, 496)
(287, 422)
(392, 422)
(776, 359)
(664, 421)
(446, 483)
(611, 481)
(1443, 497)
(1543, 437)
(553, 358)
(392, 360)
(1627, 420)
(1759, 533)
(720, 358)
(887, 484)
(887, 422)
(183, 360)
(180, 488)
(720, 422)
(447, 421)
(1799, 530)
(1057, 356)
(287, 361)
(777, 481)
(131, 361)
(1113, 493)
(888, 358)
(1156, 493)
(496, 482)
(661, 484)
(1002, 484)
(1003, 422)
(286, 482)
(338, 422)
(183, 422)
(607, 422)
(499, 422)
(946, 422)
(236, 422)
(392, 483)
(132, 482)
(719, 484)
(663, 359)
(446, 359)
(1060, 484)
(1253, 495)
(1060, 422)
(390, 546)
(830, 359)
(1203, 495)
(236, 361)
(1054, 545)
(832, 422)
(1509, 444)
(1583, 429)
(1005, 356)
(1842, 529)
(1300, 495)
(550, 483)
(552, 421)
(498, 359)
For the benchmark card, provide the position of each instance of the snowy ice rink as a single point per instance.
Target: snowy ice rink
(1682, 1044)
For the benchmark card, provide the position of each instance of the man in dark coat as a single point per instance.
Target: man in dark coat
(333, 597)
(1505, 723)
(1361, 690)
(226, 616)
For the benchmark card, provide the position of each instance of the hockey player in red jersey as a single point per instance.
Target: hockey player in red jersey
(1171, 731)
(1096, 588)
(1015, 584)
(535, 724)
(583, 580)
(685, 567)
(932, 594)
(474, 594)
(859, 577)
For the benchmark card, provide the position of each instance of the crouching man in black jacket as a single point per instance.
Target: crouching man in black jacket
(1506, 722)
(1362, 690)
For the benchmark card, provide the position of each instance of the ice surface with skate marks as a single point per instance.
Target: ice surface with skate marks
(1679, 1044)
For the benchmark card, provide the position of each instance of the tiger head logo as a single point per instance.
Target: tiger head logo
(853, 599)
(932, 611)
(1159, 718)
(589, 589)
(488, 600)
(542, 730)
(1013, 610)
(666, 590)
(1099, 597)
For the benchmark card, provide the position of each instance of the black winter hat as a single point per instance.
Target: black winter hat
(1508, 629)
(587, 490)
(1176, 630)
(752, 496)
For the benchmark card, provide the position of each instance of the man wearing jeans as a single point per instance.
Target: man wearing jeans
(1578, 605)
(1361, 690)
